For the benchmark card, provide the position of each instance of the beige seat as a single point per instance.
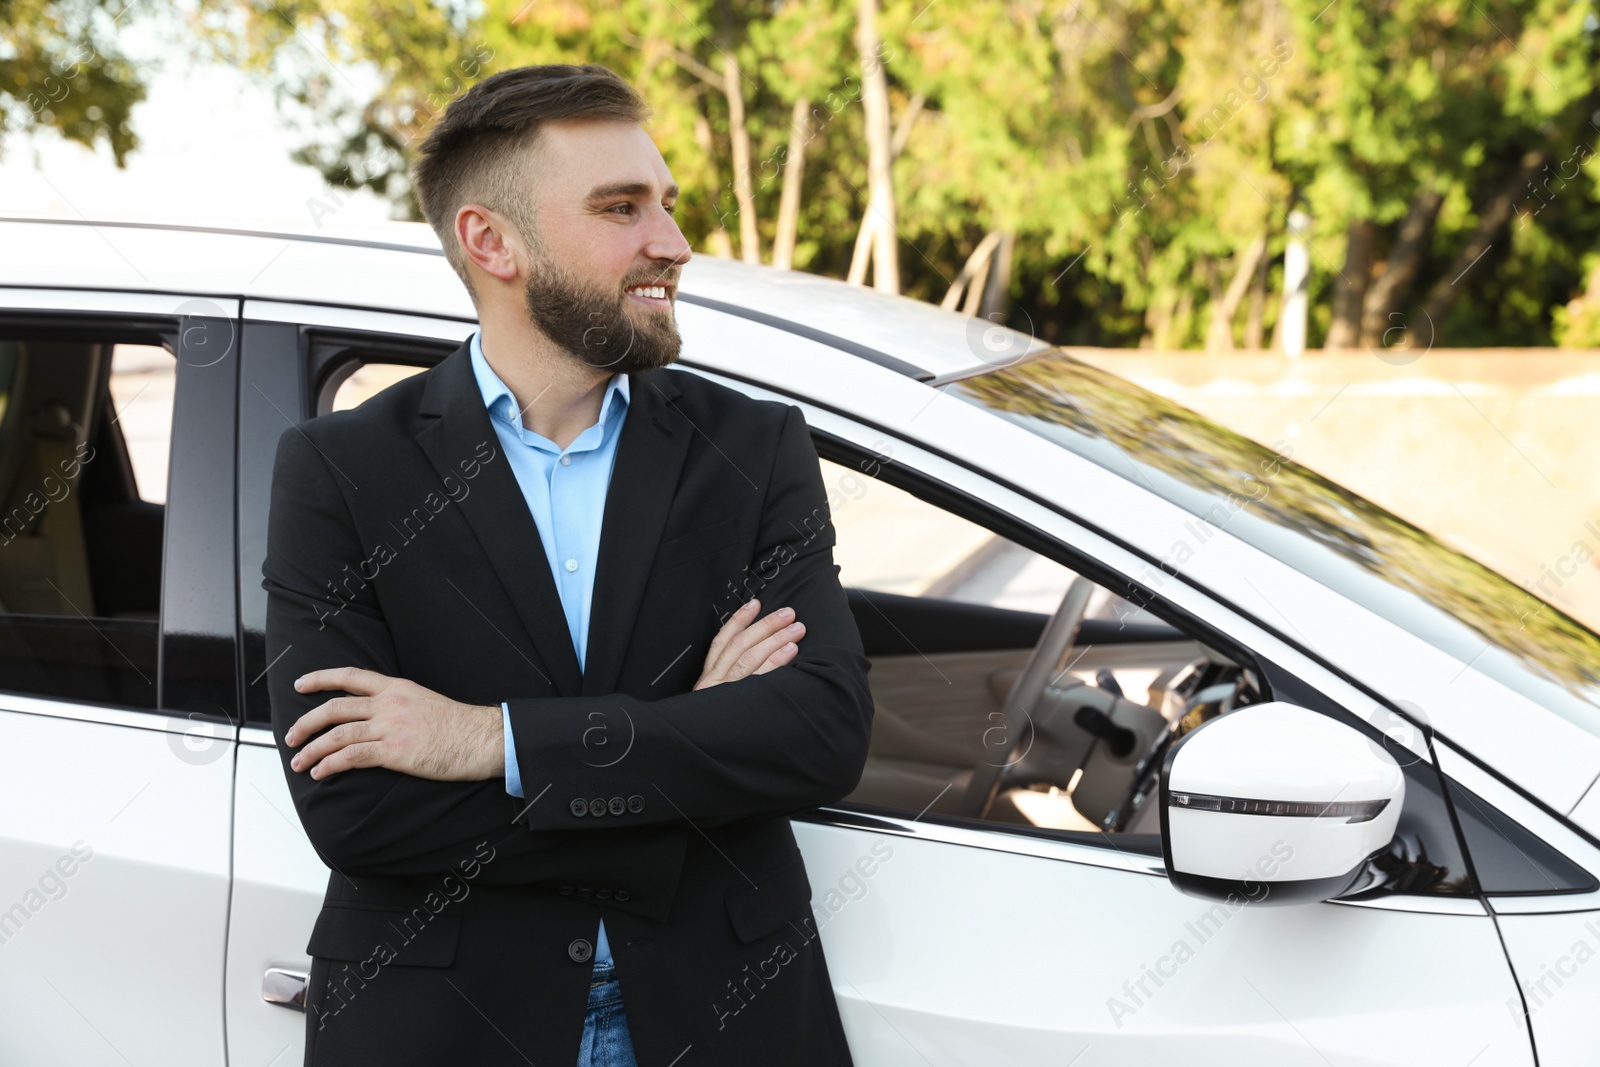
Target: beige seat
(911, 769)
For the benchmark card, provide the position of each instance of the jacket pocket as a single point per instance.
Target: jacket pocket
(779, 897)
(695, 544)
(415, 938)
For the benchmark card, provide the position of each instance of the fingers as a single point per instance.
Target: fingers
(736, 622)
(780, 658)
(349, 733)
(365, 754)
(329, 713)
(350, 679)
(757, 654)
(738, 648)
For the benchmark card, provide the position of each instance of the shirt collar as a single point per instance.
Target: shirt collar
(497, 396)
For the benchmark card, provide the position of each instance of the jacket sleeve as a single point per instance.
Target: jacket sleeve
(371, 820)
(766, 744)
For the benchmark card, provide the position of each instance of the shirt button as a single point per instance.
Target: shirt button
(566, 461)
(572, 565)
(580, 951)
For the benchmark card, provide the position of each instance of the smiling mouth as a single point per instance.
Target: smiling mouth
(652, 301)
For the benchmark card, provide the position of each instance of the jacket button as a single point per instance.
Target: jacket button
(621, 894)
(597, 806)
(616, 805)
(585, 891)
(579, 807)
(602, 894)
(636, 803)
(566, 890)
(580, 951)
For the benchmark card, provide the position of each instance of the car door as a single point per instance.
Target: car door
(298, 361)
(118, 684)
(952, 940)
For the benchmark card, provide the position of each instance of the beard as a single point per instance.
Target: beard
(593, 325)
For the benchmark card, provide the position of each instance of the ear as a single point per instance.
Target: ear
(489, 241)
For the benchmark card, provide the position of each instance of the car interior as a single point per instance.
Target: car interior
(80, 548)
(1006, 687)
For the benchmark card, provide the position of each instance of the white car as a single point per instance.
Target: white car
(1182, 754)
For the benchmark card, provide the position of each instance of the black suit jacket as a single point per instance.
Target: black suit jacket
(458, 921)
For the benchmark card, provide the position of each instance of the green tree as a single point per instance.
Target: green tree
(60, 70)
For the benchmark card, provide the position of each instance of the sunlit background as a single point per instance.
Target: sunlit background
(1368, 238)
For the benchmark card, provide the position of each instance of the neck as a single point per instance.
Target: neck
(558, 394)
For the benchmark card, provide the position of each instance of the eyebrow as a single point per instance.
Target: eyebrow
(620, 189)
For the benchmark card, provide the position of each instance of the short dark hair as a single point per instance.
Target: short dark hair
(480, 150)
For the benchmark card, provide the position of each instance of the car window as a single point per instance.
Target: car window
(891, 542)
(951, 611)
(1317, 527)
(368, 379)
(85, 428)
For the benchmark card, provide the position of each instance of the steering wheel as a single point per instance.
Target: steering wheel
(1037, 673)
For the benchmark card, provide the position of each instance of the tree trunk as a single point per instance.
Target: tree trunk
(861, 257)
(997, 282)
(880, 144)
(794, 171)
(1258, 305)
(717, 240)
(1351, 290)
(1388, 291)
(908, 118)
(1491, 220)
(739, 136)
(1219, 337)
(976, 266)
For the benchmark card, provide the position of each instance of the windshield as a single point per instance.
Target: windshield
(1299, 517)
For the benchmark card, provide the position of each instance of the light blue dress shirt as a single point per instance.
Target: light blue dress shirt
(566, 494)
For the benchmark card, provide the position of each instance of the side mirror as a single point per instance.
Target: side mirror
(1275, 804)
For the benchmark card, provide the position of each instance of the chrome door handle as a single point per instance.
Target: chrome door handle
(285, 988)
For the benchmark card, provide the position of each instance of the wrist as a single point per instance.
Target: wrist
(492, 751)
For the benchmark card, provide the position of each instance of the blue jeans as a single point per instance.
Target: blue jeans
(605, 1025)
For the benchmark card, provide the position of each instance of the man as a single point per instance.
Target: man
(552, 778)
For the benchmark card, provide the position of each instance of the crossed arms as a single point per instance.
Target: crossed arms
(778, 739)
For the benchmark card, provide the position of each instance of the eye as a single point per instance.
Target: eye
(623, 206)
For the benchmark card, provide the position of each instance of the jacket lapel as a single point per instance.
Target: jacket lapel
(456, 423)
(650, 454)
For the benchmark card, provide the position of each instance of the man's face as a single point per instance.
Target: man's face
(604, 228)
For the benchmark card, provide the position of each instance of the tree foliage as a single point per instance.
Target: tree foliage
(1141, 157)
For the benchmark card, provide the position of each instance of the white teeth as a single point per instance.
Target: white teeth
(659, 292)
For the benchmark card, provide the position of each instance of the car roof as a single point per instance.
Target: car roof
(400, 267)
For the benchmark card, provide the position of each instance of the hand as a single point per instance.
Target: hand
(743, 647)
(398, 724)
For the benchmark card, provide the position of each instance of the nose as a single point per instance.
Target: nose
(667, 242)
